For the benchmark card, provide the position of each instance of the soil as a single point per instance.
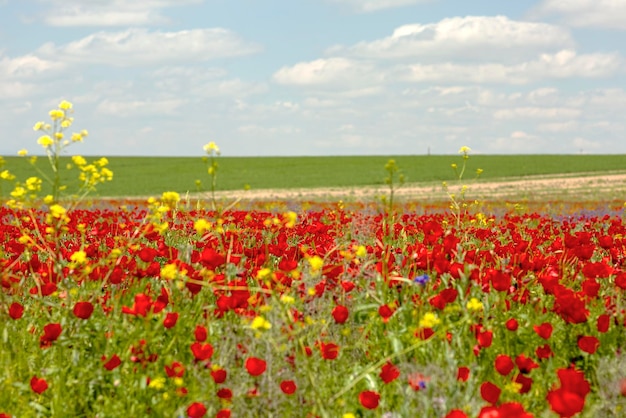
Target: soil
(568, 187)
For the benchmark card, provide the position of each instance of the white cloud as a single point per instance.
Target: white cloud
(15, 89)
(131, 108)
(109, 13)
(563, 64)
(537, 113)
(376, 5)
(473, 37)
(134, 47)
(516, 142)
(585, 145)
(27, 66)
(556, 127)
(330, 71)
(604, 14)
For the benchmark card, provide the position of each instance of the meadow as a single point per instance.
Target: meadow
(145, 176)
(171, 307)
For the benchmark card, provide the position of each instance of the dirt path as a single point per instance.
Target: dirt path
(578, 186)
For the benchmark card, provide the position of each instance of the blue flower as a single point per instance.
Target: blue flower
(421, 279)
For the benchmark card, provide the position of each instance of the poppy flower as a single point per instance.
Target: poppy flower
(196, 410)
(462, 374)
(329, 351)
(170, 319)
(512, 324)
(16, 310)
(386, 312)
(369, 399)
(504, 365)
(255, 366)
(456, 413)
(200, 333)
(288, 387)
(51, 333)
(176, 369)
(223, 413)
(389, 372)
(83, 310)
(340, 314)
(225, 393)
(202, 351)
(544, 330)
(588, 344)
(603, 323)
(490, 392)
(38, 385)
(112, 363)
(219, 375)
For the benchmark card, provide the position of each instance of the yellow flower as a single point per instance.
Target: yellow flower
(38, 126)
(287, 300)
(474, 305)
(57, 211)
(66, 123)
(290, 218)
(33, 184)
(48, 199)
(170, 199)
(260, 323)
(464, 149)
(77, 137)
(79, 160)
(429, 320)
(201, 226)
(79, 257)
(361, 251)
(6, 175)
(65, 105)
(316, 263)
(18, 193)
(23, 152)
(211, 147)
(45, 141)
(349, 415)
(102, 162)
(56, 114)
(157, 383)
(264, 273)
(169, 272)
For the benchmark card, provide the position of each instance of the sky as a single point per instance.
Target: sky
(317, 77)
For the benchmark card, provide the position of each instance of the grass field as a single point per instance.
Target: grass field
(137, 176)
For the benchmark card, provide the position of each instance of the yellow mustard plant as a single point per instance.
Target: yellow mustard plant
(429, 320)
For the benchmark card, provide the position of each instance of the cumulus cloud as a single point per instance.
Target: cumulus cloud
(27, 66)
(135, 47)
(537, 113)
(109, 13)
(327, 71)
(604, 14)
(366, 6)
(129, 108)
(473, 37)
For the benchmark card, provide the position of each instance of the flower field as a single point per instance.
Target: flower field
(181, 308)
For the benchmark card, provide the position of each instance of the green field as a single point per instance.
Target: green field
(140, 176)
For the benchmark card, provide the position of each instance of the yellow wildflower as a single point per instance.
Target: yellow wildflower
(38, 126)
(23, 152)
(45, 141)
(170, 199)
(65, 105)
(157, 383)
(260, 323)
(79, 257)
(6, 175)
(169, 272)
(290, 218)
(316, 263)
(211, 147)
(201, 226)
(429, 320)
(56, 114)
(18, 193)
(474, 305)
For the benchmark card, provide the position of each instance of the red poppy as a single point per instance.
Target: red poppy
(512, 324)
(456, 413)
(50, 333)
(386, 312)
(485, 338)
(196, 410)
(603, 323)
(525, 364)
(504, 365)
(544, 330)
(544, 351)
(16, 310)
(83, 310)
(223, 413)
(588, 344)
(170, 319)
(462, 374)
(490, 392)
(389, 372)
(38, 385)
(255, 366)
(369, 399)
(176, 369)
(288, 387)
(202, 351)
(112, 363)
(219, 375)
(340, 314)
(225, 394)
(200, 333)
(329, 351)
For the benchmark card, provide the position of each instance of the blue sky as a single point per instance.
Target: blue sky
(317, 77)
